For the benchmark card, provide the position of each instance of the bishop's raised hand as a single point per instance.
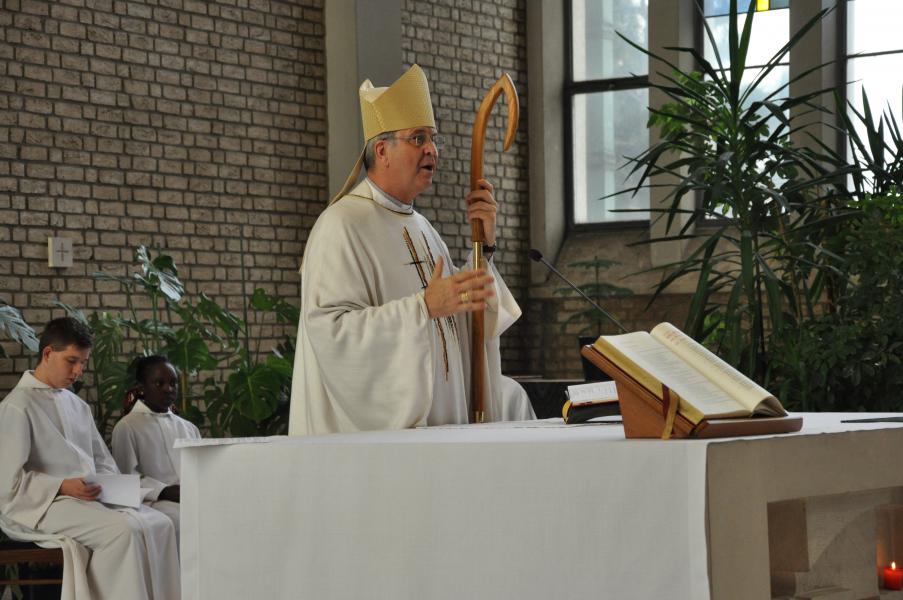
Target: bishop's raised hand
(465, 291)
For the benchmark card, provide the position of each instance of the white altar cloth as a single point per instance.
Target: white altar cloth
(495, 511)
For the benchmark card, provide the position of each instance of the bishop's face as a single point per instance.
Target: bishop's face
(61, 368)
(409, 167)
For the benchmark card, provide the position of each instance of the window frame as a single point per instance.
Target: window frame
(843, 59)
(570, 90)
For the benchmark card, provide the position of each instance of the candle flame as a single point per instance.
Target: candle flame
(893, 566)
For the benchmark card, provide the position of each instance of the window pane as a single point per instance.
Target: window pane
(882, 77)
(597, 50)
(874, 25)
(608, 127)
(770, 32)
(716, 8)
(778, 77)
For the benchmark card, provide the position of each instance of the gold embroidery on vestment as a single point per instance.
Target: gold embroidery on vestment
(424, 281)
(449, 320)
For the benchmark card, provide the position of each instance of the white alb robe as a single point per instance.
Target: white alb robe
(48, 435)
(368, 356)
(143, 443)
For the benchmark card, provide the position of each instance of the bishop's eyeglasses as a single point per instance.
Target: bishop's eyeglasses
(419, 139)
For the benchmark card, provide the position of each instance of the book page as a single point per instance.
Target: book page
(746, 391)
(659, 361)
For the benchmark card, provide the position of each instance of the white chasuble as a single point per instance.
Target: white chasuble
(48, 435)
(368, 356)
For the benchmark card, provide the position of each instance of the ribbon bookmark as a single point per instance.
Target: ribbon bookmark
(669, 411)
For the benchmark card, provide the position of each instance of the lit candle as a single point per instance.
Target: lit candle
(893, 577)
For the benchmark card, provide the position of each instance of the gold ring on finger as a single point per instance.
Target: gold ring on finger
(465, 297)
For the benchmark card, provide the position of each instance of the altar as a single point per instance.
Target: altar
(542, 510)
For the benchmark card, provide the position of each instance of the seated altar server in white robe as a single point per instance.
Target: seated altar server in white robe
(49, 445)
(143, 439)
(384, 332)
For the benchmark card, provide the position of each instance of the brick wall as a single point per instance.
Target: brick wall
(464, 46)
(196, 128)
(554, 348)
(552, 342)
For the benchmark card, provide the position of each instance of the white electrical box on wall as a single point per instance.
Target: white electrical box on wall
(59, 252)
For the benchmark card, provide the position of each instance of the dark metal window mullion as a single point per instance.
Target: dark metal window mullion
(592, 86)
(841, 71)
(567, 100)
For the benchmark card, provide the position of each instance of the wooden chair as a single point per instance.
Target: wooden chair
(23, 553)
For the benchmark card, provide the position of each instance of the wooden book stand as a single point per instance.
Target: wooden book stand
(645, 415)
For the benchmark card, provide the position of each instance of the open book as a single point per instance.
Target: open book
(706, 386)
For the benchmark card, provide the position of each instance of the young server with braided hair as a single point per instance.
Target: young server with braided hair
(143, 439)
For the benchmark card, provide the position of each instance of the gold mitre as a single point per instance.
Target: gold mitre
(403, 105)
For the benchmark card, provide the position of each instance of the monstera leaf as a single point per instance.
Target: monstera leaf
(256, 391)
(285, 312)
(220, 316)
(161, 273)
(189, 353)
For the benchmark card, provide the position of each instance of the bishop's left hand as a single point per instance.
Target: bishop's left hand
(482, 205)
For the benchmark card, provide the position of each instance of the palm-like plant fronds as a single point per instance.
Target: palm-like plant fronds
(760, 200)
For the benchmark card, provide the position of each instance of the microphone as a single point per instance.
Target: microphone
(536, 256)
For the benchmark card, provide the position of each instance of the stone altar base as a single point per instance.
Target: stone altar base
(835, 547)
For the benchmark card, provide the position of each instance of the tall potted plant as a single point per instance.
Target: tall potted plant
(850, 356)
(197, 335)
(761, 200)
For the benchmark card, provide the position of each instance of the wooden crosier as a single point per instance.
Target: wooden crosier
(478, 238)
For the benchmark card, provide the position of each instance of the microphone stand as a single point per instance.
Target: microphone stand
(536, 256)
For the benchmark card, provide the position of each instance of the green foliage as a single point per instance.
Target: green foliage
(848, 357)
(799, 266)
(876, 150)
(196, 334)
(13, 326)
(285, 312)
(726, 142)
(598, 290)
(851, 357)
(255, 398)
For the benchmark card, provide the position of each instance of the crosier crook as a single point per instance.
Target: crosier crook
(478, 350)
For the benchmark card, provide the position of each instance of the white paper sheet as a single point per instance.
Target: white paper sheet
(121, 490)
(587, 393)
